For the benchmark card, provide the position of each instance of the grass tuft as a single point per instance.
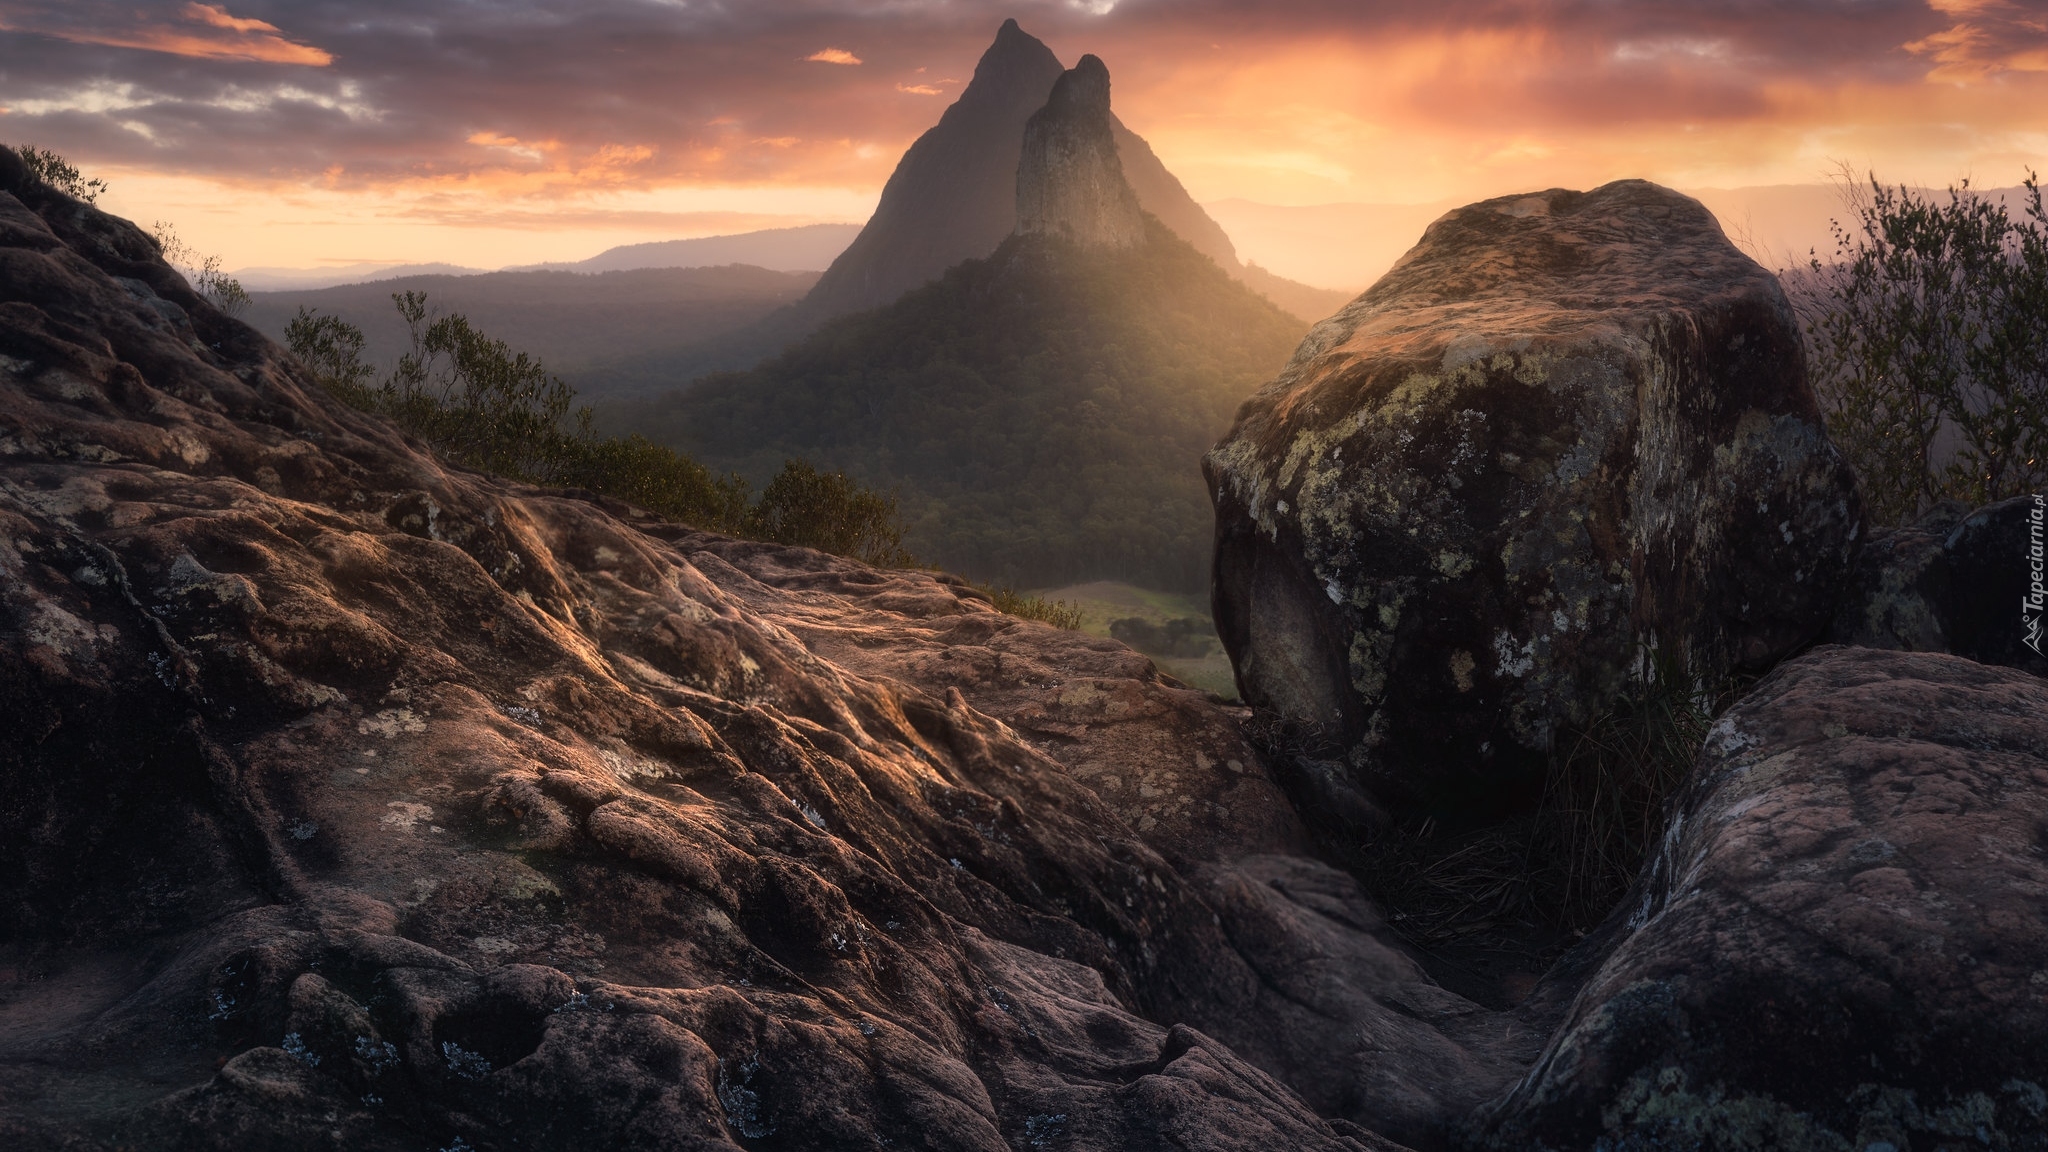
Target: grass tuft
(1553, 871)
(1057, 613)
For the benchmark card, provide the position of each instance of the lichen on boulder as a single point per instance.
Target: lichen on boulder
(1955, 580)
(1567, 438)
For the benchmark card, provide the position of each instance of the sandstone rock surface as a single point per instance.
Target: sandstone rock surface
(1070, 182)
(348, 800)
(1566, 428)
(1843, 943)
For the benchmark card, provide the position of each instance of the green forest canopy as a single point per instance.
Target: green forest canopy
(1041, 414)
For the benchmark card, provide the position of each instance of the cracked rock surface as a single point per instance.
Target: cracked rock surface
(348, 800)
(1843, 941)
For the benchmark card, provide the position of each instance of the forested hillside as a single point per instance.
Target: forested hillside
(1041, 414)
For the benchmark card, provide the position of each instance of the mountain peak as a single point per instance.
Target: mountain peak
(953, 195)
(1070, 181)
(1082, 90)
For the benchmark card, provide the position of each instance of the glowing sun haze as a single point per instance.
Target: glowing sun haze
(492, 133)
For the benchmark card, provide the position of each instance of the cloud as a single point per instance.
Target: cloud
(218, 16)
(204, 31)
(1282, 100)
(1987, 38)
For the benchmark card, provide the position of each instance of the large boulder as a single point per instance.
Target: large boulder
(1568, 439)
(1843, 941)
(1955, 580)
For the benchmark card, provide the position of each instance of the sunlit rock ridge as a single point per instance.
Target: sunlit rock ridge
(953, 195)
(1070, 183)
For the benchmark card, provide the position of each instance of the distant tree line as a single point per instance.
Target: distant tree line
(481, 404)
(1927, 339)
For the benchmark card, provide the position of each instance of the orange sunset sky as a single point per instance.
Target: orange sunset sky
(489, 133)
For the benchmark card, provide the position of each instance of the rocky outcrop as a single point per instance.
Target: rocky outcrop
(349, 800)
(953, 195)
(1070, 183)
(1843, 941)
(1567, 437)
(1954, 581)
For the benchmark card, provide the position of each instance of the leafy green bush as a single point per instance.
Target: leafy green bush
(333, 349)
(58, 173)
(1927, 337)
(481, 404)
(827, 511)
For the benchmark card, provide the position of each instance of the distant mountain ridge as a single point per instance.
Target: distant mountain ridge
(805, 248)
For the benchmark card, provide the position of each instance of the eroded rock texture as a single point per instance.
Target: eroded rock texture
(1954, 581)
(351, 801)
(1567, 428)
(1070, 182)
(1843, 942)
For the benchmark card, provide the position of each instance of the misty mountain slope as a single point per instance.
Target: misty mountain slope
(1041, 413)
(952, 195)
(805, 248)
(952, 198)
(612, 334)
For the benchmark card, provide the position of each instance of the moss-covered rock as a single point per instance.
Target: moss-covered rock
(1568, 429)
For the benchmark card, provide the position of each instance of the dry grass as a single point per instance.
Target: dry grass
(1057, 613)
(1557, 869)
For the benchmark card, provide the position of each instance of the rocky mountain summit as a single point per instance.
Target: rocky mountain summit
(953, 195)
(1070, 183)
(350, 800)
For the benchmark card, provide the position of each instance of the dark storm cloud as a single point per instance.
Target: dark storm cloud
(631, 90)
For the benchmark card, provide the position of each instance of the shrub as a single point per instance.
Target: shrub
(1928, 342)
(332, 349)
(659, 479)
(476, 400)
(480, 403)
(56, 172)
(204, 271)
(829, 512)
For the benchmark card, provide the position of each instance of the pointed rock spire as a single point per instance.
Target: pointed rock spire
(1069, 180)
(953, 195)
